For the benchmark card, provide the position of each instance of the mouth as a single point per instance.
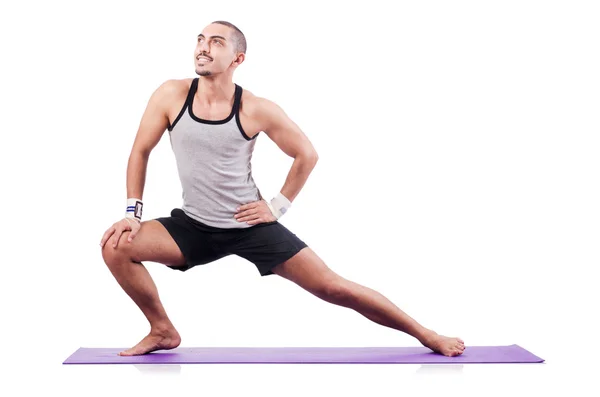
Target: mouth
(202, 59)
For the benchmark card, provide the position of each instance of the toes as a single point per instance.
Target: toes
(129, 352)
(453, 352)
(456, 351)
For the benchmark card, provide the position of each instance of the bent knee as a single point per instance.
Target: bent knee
(114, 255)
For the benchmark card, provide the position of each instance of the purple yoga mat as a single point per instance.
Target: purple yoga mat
(305, 355)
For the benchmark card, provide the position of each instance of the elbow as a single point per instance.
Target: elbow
(311, 154)
(138, 152)
(310, 157)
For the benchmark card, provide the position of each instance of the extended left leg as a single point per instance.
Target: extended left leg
(308, 271)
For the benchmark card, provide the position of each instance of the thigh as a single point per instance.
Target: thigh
(196, 245)
(153, 243)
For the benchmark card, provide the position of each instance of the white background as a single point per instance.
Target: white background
(458, 176)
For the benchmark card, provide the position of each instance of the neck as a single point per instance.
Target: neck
(212, 90)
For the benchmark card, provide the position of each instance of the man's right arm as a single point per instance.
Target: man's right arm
(152, 126)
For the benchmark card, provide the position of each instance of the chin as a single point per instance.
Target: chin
(203, 72)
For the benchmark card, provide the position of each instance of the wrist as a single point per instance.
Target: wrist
(279, 205)
(134, 209)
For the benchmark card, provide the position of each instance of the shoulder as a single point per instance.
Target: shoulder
(173, 88)
(172, 91)
(259, 108)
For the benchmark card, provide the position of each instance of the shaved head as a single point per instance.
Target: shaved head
(238, 38)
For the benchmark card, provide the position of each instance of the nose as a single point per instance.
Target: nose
(203, 48)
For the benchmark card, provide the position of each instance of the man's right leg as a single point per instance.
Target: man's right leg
(152, 243)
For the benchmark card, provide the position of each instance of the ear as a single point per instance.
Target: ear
(240, 58)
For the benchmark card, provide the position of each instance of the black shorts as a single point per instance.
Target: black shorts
(265, 244)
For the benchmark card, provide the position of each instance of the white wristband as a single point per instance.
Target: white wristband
(279, 205)
(134, 208)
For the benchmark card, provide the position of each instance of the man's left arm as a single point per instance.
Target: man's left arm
(286, 134)
(292, 141)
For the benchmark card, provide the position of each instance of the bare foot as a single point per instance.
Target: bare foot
(445, 345)
(163, 340)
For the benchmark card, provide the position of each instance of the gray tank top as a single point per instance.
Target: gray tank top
(213, 162)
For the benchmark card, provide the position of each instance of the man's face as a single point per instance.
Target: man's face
(214, 51)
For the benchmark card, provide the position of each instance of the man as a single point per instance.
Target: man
(213, 125)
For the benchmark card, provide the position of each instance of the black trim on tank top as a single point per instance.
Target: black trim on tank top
(238, 91)
(236, 110)
(237, 121)
(187, 102)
